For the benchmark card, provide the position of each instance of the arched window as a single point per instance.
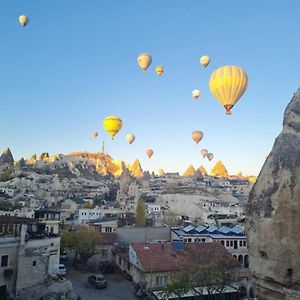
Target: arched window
(240, 259)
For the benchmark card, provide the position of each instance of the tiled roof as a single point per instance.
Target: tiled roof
(157, 257)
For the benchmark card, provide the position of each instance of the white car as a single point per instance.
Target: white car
(60, 270)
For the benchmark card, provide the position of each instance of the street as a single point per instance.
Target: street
(118, 288)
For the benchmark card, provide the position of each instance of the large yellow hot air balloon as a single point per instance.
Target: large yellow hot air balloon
(95, 134)
(197, 136)
(204, 60)
(159, 70)
(196, 94)
(144, 60)
(112, 124)
(228, 84)
(23, 20)
(130, 138)
(204, 153)
(149, 153)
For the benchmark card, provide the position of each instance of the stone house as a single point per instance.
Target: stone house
(25, 247)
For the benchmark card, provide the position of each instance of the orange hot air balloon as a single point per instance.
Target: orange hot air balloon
(159, 70)
(144, 60)
(149, 153)
(95, 134)
(197, 136)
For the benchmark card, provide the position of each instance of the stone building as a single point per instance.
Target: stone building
(25, 247)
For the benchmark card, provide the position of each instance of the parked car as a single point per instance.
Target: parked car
(60, 270)
(97, 281)
(63, 256)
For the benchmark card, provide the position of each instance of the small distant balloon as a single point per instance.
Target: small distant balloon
(197, 136)
(149, 153)
(144, 60)
(95, 134)
(196, 94)
(204, 60)
(210, 156)
(204, 152)
(23, 20)
(159, 70)
(130, 138)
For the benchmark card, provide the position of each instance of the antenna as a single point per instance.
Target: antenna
(103, 147)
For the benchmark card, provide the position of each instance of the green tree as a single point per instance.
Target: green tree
(140, 214)
(211, 275)
(84, 242)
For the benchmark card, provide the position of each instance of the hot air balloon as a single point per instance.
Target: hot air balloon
(159, 70)
(130, 138)
(149, 153)
(196, 94)
(112, 124)
(228, 84)
(204, 60)
(197, 136)
(210, 156)
(204, 152)
(23, 20)
(95, 134)
(144, 60)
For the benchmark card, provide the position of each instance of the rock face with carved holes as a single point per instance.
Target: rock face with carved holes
(273, 215)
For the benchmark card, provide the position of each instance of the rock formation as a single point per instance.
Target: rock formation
(32, 160)
(6, 158)
(239, 175)
(273, 215)
(203, 171)
(219, 170)
(136, 169)
(198, 174)
(44, 156)
(190, 172)
(21, 163)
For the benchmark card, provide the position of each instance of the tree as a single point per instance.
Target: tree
(83, 241)
(140, 214)
(211, 274)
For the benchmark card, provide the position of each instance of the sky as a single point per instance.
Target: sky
(76, 63)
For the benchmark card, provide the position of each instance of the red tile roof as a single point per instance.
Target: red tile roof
(156, 257)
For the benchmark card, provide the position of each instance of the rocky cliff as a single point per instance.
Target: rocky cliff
(190, 172)
(203, 171)
(219, 170)
(273, 215)
(6, 158)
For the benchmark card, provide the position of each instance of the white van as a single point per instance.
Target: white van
(60, 270)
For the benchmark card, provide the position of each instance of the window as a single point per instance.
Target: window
(34, 263)
(231, 243)
(4, 261)
(161, 281)
(189, 240)
(108, 229)
(222, 242)
(120, 260)
(203, 240)
(227, 243)
(241, 243)
(245, 243)
(104, 252)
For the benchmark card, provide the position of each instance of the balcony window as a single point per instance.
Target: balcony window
(160, 281)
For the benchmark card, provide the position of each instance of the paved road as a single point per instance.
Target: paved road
(119, 288)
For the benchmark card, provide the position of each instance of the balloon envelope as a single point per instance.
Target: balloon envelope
(196, 94)
(144, 60)
(112, 124)
(204, 60)
(210, 156)
(159, 70)
(23, 20)
(130, 138)
(197, 136)
(204, 152)
(95, 134)
(149, 153)
(228, 84)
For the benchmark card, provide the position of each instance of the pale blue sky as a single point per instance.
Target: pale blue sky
(75, 63)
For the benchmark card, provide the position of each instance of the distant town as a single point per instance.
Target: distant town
(84, 220)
